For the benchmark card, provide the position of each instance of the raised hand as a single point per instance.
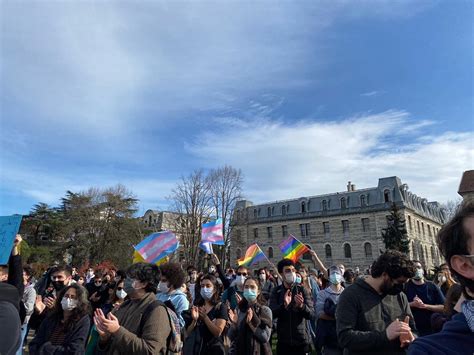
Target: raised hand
(396, 328)
(232, 316)
(287, 298)
(214, 259)
(195, 313)
(299, 300)
(249, 315)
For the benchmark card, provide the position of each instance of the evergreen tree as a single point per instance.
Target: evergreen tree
(395, 236)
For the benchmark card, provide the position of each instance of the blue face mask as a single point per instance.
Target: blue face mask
(298, 279)
(250, 295)
(335, 279)
(207, 293)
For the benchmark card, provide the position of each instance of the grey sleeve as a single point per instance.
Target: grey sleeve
(29, 298)
(320, 303)
(263, 334)
(347, 335)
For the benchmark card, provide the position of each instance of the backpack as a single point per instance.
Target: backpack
(174, 342)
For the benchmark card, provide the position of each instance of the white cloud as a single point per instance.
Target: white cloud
(370, 93)
(283, 161)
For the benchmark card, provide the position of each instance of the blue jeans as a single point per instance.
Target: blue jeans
(24, 329)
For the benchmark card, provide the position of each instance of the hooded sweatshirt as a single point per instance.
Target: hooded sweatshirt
(454, 338)
(362, 317)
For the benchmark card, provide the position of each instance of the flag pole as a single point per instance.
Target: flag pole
(271, 264)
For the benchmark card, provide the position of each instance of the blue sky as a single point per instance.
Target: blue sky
(302, 96)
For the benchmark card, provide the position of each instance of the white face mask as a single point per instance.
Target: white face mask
(442, 279)
(240, 280)
(121, 294)
(290, 277)
(418, 274)
(163, 287)
(68, 304)
(262, 277)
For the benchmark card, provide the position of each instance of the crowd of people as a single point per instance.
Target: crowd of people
(391, 308)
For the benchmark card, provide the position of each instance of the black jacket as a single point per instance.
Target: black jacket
(362, 317)
(291, 326)
(74, 343)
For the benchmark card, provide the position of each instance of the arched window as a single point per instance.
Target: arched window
(325, 205)
(270, 253)
(362, 201)
(368, 250)
(386, 196)
(269, 211)
(255, 213)
(149, 220)
(343, 203)
(238, 253)
(273, 210)
(433, 254)
(309, 205)
(347, 251)
(283, 210)
(328, 251)
(303, 207)
(258, 212)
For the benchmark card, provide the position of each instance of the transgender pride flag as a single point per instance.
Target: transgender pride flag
(212, 232)
(157, 245)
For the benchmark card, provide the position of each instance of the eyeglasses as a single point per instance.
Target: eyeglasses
(241, 274)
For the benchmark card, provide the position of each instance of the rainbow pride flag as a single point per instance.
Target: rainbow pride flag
(212, 232)
(253, 255)
(292, 248)
(157, 246)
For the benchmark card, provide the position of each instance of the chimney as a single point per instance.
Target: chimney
(349, 186)
(353, 187)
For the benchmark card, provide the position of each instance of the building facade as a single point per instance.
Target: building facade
(343, 227)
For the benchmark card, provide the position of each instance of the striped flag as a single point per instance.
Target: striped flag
(212, 232)
(292, 248)
(207, 247)
(137, 258)
(253, 255)
(157, 245)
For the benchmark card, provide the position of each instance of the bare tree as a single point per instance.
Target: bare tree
(226, 189)
(191, 199)
(451, 207)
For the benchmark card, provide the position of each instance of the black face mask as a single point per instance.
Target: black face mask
(58, 285)
(393, 290)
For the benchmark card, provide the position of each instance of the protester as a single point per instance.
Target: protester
(191, 284)
(140, 325)
(10, 322)
(66, 328)
(29, 299)
(116, 298)
(327, 299)
(233, 290)
(425, 298)
(349, 277)
(373, 313)
(98, 291)
(444, 280)
(208, 318)
(292, 306)
(89, 275)
(438, 319)
(265, 284)
(456, 242)
(251, 322)
(169, 289)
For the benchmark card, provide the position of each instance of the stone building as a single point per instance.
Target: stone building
(343, 227)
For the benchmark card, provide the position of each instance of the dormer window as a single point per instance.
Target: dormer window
(303, 207)
(343, 203)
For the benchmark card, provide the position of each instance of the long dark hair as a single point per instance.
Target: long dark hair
(82, 309)
(199, 301)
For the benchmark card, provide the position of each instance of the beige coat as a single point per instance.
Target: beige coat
(155, 330)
